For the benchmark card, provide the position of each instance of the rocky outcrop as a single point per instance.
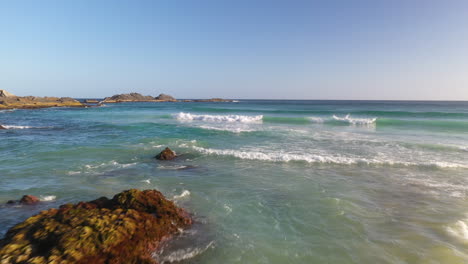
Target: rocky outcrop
(26, 200)
(125, 229)
(166, 154)
(91, 101)
(131, 97)
(165, 97)
(136, 97)
(4, 93)
(31, 102)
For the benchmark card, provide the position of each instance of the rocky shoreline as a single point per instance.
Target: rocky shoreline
(11, 101)
(128, 228)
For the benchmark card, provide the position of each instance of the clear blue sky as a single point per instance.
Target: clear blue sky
(375, 49)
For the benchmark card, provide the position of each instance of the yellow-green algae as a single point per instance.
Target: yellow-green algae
(125, 229)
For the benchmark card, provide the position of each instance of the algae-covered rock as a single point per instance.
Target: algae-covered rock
(124, 229)
(166, 154)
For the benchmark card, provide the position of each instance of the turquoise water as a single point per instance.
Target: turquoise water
(267, 181)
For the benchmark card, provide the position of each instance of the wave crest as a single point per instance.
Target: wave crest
(355, 121)
(218, 118)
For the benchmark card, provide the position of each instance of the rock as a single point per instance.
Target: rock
(165, 97)
(31, 102)
(166, 154)
(4, 93)
(2, 127)
(126, 229)
(131, 97)
(91, 101)
(29, 200)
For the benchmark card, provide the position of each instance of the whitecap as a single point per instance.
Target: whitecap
(319, 158)
(16, 127)
(228, 129)
(47, 198)
(218, 118)
(355, 121)
(459, 230)
(185, 193)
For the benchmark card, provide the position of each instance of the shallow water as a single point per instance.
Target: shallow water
(267, 181)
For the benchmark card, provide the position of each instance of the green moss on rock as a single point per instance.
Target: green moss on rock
(124, 229)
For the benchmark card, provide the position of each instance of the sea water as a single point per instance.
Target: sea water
(266, 181)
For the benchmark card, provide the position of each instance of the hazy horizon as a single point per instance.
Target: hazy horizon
(314, 50)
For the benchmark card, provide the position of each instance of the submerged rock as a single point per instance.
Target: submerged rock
(29, 199)
(166, 154)
(26, 199)
(125, 229)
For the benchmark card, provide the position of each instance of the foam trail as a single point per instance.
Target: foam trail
(355, 121)
(185, 193)
(47, 198)
(16, 127)
(320, 158)
(218, 118)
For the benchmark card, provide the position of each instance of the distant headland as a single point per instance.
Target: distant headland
(11, 101)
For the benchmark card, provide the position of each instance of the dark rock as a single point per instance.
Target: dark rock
(29, 200)
(125, 229)
(2, 127)
(165, 97)
(166, 154)
(131, 97)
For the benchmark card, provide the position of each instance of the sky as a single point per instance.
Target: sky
(364, 50)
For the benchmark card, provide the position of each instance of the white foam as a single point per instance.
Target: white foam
(47, 198)
(228, 128)
(315, 119)
(183, 254)
(218, 118)
(355, 121)
(111, 163)
(146, 181)
(459, 230)
(175, 167)
(17, 127)
(185, 193)
(319, 158)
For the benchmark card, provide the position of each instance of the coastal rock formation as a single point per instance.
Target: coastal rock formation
(131, 97)
(166, 154)
(26, 200)
(165, 97)
(9, 101)
(4, 93)
(126, 229)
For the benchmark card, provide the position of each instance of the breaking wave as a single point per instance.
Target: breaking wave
(320, 158)
(355, 121)
(218, 118)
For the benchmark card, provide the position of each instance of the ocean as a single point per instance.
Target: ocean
(266, 181)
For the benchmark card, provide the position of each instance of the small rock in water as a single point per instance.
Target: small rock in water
(29, 199)
(26, 199)
(166, 154)
(2, 127)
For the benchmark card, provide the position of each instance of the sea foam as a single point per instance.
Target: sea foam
(320, 158)
(355, 121)
(218, 118)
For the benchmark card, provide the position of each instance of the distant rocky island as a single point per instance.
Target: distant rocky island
(136, 97)
(11, 101)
